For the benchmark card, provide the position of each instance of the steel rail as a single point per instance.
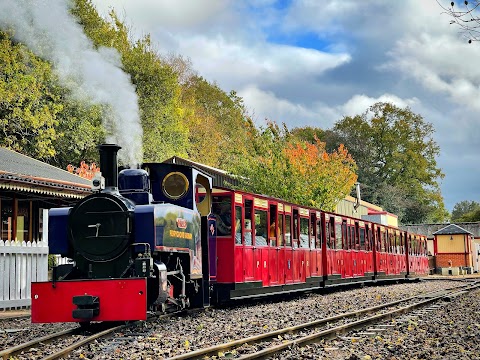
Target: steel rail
(214, 350)
(8, 353)
(335, 331)
(67, 350)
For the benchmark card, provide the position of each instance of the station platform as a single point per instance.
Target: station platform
(6, 314)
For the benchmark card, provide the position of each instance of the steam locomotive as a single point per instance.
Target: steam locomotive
(162, 236)
(133, 250)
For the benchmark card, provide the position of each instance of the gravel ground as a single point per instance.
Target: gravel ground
(16, 331)
(174, 336)
(452, 332)
(436, 337)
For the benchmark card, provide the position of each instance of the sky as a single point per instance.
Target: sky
(310, 63)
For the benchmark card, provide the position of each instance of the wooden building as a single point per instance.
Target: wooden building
(27, 186)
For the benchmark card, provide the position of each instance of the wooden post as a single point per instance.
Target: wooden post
(14, 218)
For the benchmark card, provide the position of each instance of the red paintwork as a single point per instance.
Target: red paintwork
(281, 266)
(239, 267)
(277, 265)
(225, 265)
(273, 268)
(248, 261)
(289, 265)
(120, 299)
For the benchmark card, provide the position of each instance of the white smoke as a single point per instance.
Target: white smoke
(51, 32)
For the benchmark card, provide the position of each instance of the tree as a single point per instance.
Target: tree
(308, 134)
(470, 216)
(467, 18)
(396, 157)
(157, 86)
(463, 208)
(296, 171)
(29, 103)
(217, 122)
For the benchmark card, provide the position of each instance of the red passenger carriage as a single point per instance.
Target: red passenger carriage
(266, 246)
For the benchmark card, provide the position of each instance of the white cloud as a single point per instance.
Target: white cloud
(404, 50)
(358, 104)
(234, 64)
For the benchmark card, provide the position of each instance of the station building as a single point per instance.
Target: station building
(27, 187)
(454, 248)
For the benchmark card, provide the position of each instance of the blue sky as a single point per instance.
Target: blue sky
(313, 62)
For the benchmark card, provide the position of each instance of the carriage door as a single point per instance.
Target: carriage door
(346, 259)
(260, 245)
(273, 240)
(248, 260)
(312, 255)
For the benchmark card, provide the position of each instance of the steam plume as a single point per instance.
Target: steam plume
(51, 32)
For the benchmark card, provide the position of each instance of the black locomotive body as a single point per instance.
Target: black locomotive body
(136, 245)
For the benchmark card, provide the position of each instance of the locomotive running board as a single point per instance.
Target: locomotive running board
(119, 300)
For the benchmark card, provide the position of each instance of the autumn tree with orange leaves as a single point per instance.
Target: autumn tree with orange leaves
(84, 170)
(296, 171)
(324, 178)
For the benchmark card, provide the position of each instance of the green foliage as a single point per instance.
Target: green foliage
(52, 261)
(38, 117)
(219, 126)
(156, 83)
(308, 134)
(80, 130)
(29, 103)
(396, 157)
(466, 211)
(296, 171)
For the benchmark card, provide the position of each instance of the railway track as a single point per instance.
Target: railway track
(73, 336)
(366, 322)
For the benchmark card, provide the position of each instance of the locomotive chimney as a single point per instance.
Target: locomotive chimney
(108, 165)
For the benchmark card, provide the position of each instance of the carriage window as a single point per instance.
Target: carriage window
(280, 230)
(362, 239)
(378, 240)
(261, 233)
(383, 240)
(332, 233)
(288, 230)
(353, 238)
(296, 226)
(248, 223)
(312, 231)
(272, 232)
(327, 234)
(345, 235)
(338, 236)
(368, 239)
(304, 243)
(238, 227)
(222, 209)
(398, 245)
(318, 241)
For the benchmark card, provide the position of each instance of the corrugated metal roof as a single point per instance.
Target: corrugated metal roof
(23, 173)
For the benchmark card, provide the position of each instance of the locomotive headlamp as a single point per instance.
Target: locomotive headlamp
(175, 185)
(98, 182)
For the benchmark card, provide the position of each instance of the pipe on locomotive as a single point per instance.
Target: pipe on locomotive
(108, 165)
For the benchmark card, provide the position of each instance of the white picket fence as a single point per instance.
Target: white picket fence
(20, 264)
